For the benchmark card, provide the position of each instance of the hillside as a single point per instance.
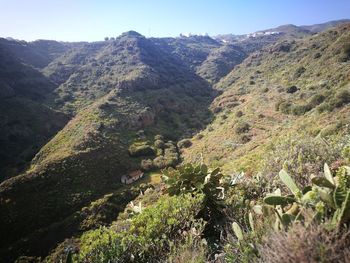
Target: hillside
(26, 123)
(76, 117)
(289, 87)
(148, 93)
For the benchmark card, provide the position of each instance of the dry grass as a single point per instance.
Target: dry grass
(311, 244)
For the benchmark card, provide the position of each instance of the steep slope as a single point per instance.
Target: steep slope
(192, 50)
(299, 86)
(324, 26)
(220, 61)
(148, 92)
(38, 53)
(26, 123)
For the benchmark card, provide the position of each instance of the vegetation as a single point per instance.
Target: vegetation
(244, 145)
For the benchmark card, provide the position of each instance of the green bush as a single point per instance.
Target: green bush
(147, 165)
(242, 127)
(340, 99)
(284, 107)
(292, 89)
(316, 100)
(185, 143)
(138, 149)
(239, 114)
(159, 144)
(150, 235)
(299, 110)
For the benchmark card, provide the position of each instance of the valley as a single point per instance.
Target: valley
(78, 116)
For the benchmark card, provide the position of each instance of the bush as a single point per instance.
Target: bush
(316, 100)
(340, 99)
(147, 165)
(300, 109)
(159, 144)
(159, 137)
(239, 114)
(345, 53)
(185, 143)
(283, 106)
(141, 149)
(301, 156)
(244, 138)
(299, 71)
(150, 235)
(317, 55)
(292, 89)
(242, 127)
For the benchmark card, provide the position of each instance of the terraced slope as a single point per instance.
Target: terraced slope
(292, 86)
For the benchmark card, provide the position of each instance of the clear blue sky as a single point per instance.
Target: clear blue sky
(90, 20)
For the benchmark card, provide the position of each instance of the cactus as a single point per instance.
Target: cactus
(251, 221)
(279, 200)
(238, 231)
(327, 193)
(322, 182)
(288, 181)
(328, 174)
(342, 214)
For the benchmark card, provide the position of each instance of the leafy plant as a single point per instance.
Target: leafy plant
(328, 196)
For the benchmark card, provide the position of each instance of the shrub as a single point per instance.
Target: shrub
(292, 89)
(168, 160)
(244, 138)
(150, 235)
(189, 178)
(345, 53)
(147, 165)
(159, 144)
(300, 109)
(285, 107)
(185, 143)
(316, 100)
(140, 149)
(317, 55)
(299, 71)
(242, 127)
(301, 156)
(314, 243)
(158, 137)
(239, 114)
(340, 99)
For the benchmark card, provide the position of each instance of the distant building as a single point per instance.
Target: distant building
(131, 177)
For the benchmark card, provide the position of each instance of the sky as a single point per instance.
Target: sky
(92, 20)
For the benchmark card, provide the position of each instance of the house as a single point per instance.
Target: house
(132, 177)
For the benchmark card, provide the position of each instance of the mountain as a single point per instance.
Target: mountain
(251, 107)
(123, 93)
(27, 124)
(77, 117)
(324, 26)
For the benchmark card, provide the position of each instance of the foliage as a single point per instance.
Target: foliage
(242, 127)
(327, 197)
(292, 89)
(140, 149)
(189, 178)
(152, 234)
(184, 143)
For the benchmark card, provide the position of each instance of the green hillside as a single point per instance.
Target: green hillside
(243, 142)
